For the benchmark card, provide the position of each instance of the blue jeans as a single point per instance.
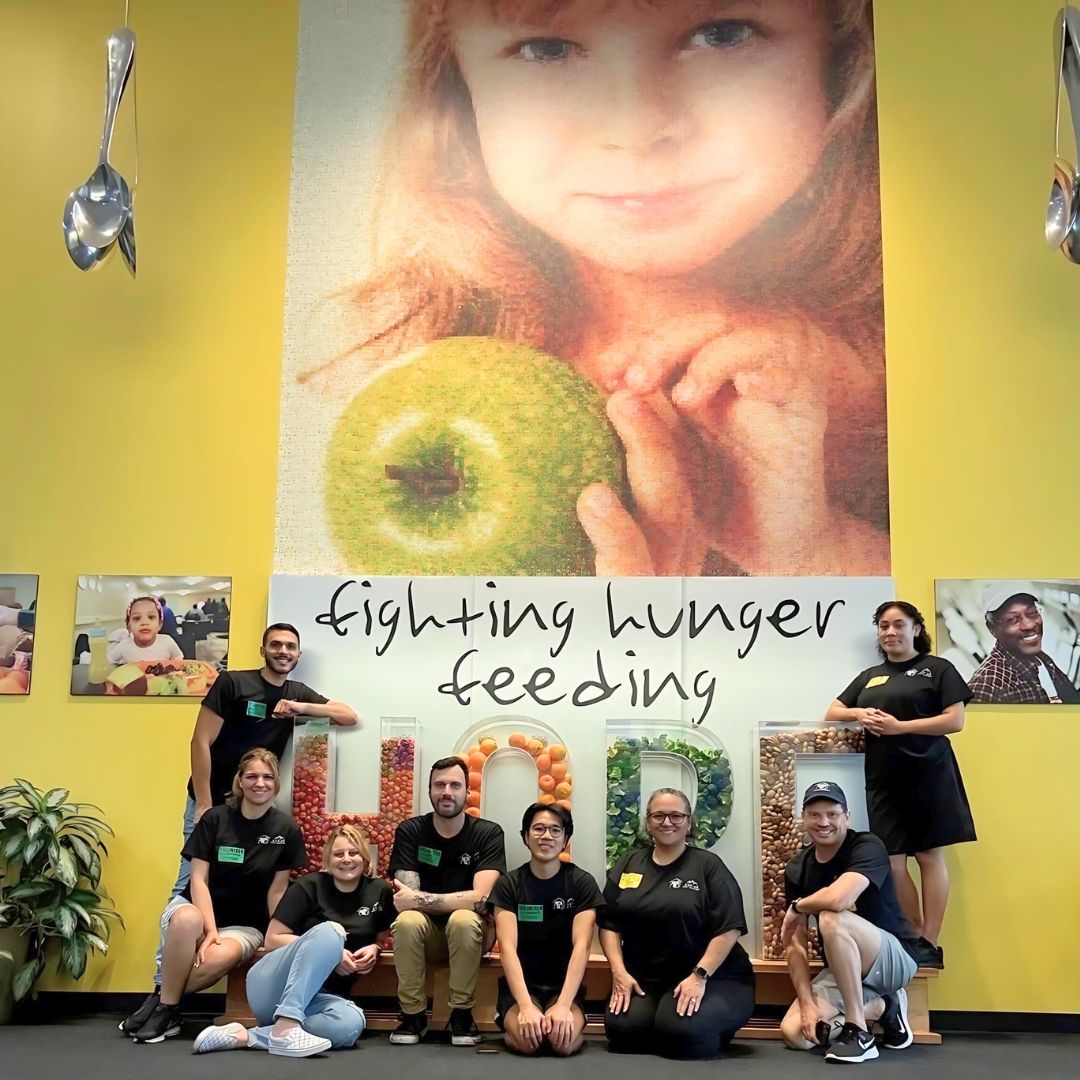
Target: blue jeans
(287, 982)
(183, 876)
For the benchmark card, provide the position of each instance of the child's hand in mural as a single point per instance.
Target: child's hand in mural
(758, 392)
(663, 536)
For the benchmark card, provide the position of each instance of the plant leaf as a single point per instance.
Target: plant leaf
(65, 921)
(65, 867)
(26, 976)
(82, 852)
(55, 797)
(73, 958)
(96, 943)
(13, 844)
(35, 826)
(34, 887)
(33, 848)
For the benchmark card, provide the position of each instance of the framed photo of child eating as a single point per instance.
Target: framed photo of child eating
(145, 636)
(584, 287)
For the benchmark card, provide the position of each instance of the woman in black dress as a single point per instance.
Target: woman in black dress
(915, 797)
(682, 985)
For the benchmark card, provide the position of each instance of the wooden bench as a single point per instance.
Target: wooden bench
(773, 989)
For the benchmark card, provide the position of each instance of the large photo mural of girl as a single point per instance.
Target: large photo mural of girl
(584, 287)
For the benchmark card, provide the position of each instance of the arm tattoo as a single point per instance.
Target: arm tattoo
(409, 878)
(480, 906)
(428, 900)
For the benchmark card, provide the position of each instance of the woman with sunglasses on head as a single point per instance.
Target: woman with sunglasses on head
(681, 984)
(241, 854)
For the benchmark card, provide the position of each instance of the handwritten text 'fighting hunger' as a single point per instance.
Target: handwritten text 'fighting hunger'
(382, 620)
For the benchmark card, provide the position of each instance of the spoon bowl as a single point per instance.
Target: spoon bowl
(101, 206)
(84, 256)
(1062, 206)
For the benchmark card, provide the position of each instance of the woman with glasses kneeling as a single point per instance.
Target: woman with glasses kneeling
(682, 985)
(327, 930)
(241, 855)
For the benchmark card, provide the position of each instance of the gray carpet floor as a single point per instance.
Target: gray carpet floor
(92, 1049)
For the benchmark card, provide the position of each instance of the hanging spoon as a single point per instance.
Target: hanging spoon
(1063, 208)
(95, 212)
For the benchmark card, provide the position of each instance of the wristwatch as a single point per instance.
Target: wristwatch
(701, 973)
(794, 905)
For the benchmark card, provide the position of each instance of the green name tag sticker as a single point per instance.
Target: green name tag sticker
(530, 913)
(431, 856)
(230, 854)
(256, 709)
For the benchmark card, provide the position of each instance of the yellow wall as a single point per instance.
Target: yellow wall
(981, 320)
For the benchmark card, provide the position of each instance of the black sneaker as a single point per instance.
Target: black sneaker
(411, 1029)
(853, 1045)
(895, 1030)
(463, 1029)
(129, 1025)
(163, 1023)
(927, 955)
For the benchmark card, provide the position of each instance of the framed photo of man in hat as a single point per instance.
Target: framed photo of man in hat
(1015, 641)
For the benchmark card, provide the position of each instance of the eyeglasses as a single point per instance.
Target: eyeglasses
(658, 818)
(554, 831)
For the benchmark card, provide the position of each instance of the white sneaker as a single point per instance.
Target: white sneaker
(298, 1043)
(226, 1037)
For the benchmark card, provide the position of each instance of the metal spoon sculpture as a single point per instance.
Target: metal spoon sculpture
(99, 215)
(1063, 209)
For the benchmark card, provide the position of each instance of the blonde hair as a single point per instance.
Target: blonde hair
(450, 257)
(258, 753)
(355, 837)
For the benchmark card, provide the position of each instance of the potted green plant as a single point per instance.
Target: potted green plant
(50, 883)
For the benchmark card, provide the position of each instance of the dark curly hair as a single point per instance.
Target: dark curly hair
(923, 644)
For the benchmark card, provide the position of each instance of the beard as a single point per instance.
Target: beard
(448, 807)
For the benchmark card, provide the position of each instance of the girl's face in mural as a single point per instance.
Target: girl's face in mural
(647, 137)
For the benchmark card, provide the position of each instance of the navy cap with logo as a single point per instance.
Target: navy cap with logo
(825, 789)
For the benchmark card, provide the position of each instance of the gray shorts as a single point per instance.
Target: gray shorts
(892, 968)
(249, 938)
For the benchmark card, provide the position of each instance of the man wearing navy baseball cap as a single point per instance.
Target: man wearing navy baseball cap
(1017, 671)
(843, 880)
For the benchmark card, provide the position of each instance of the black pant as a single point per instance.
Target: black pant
(651, 1024)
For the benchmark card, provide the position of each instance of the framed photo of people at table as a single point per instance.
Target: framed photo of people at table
(141, 636)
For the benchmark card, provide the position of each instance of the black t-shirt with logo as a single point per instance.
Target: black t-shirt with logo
(447, 865)
(862, 853)
(363, 914)
(667, 915)
(545, 910)
(244, 855)
(918, 688)
(245, 701)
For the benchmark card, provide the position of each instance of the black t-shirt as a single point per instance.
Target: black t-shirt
(667, 915)
(245, 701)
(545, 910)
(363, 914)
(862, 853)
(921, 687)
(447, 865)
(244, 855)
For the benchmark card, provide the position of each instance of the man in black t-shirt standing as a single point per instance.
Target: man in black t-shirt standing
(444, 866)
(242, 710)
(545, 913)
(843, 879)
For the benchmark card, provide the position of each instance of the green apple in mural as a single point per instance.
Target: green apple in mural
(467, 457)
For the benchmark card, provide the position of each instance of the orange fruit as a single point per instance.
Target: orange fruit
(473, 798)
(562, 791)
(487, 745)
(566, 804)
(557, 751)
(518, 739)
(558, 770)
(565, 856)
(476, 760)
(535, 747)
(473, 810)
(546, 783)
(474, 781)
(547, 798)
(543, 763)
